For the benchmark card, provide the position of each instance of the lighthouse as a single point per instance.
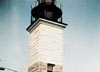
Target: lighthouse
(46, 33)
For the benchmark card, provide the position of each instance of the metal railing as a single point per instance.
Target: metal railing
(57, 3)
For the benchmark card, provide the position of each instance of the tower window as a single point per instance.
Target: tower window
(50, 67)
(42, 1)
(50, 71)
(48, 14)
(48, 0)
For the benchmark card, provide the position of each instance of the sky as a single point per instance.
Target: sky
(81, 36)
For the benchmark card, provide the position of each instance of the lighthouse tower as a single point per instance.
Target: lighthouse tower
(46, 37)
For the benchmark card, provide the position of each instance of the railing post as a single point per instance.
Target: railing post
(31, 13)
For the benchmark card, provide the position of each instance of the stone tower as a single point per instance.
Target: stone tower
(46, 38)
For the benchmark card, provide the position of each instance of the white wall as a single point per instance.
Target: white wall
(46, 44)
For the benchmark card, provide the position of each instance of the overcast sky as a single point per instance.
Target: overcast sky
(81, 37)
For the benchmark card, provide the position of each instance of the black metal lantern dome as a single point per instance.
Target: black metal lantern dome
(46, 9)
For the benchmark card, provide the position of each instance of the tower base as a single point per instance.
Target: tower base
(42, 67)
